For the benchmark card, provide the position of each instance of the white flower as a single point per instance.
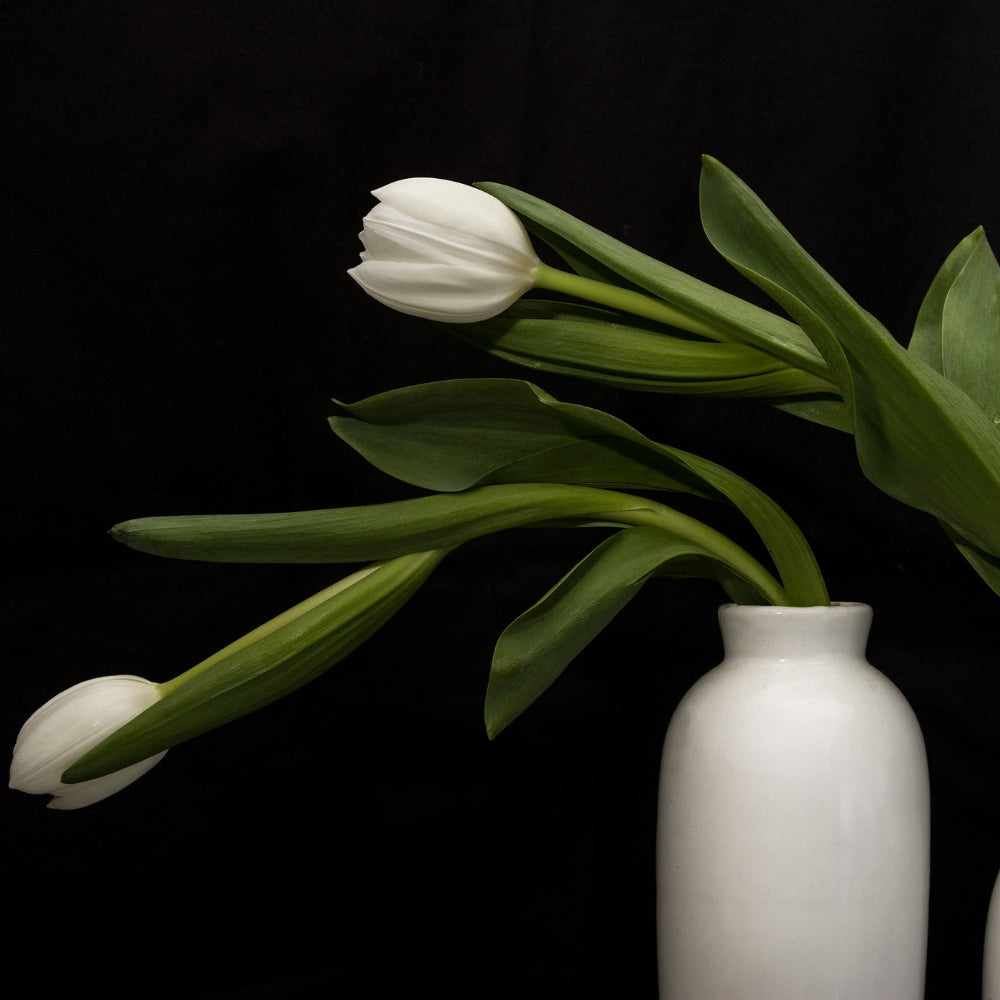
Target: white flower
(443, 251)
(69, 725)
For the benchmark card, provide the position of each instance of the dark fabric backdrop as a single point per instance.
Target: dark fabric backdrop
(183, 185)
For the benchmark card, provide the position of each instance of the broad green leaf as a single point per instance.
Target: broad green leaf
(925, 342)
(266, 664)
(538, 646)
(465, 433)
(597, 255)
(457, 434)
(919, 438)
(958, 327)
(599, 346)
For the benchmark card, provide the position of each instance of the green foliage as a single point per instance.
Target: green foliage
(387, 530)
(538, 645)
(919, 436)
(957, 333)
(476, 434)
(777, 363)
(264, 665)
(958, 327)
(464, 433)
(599, 346)
(501, 454)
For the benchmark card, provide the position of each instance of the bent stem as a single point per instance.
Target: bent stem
(623, 299)
(656, 515)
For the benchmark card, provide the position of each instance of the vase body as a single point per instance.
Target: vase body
(793, 838)
(991, 947)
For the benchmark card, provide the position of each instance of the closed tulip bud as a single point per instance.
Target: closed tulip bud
(444, 251)
(69, 725)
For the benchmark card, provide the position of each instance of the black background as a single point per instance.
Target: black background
(183, 185)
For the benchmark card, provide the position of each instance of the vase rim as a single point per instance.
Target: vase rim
(782, 609)
(777, 631)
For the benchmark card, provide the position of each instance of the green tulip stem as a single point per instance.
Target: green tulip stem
(652, 514)
(622, 299)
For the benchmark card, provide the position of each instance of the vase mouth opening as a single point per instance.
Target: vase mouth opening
(781, 609)
(839, 625)
(780, 616)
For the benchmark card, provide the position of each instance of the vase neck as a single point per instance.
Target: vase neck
(755, 631)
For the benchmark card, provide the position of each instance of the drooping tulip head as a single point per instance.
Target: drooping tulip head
(444, 251)
(69, 725)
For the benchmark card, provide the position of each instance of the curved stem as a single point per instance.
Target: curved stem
(623, 299)
(658, 515)
(649, 307)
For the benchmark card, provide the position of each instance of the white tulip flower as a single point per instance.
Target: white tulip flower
(69, 725)
(444, 251)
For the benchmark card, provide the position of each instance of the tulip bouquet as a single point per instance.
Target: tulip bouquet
(925, 418)
(497, 454)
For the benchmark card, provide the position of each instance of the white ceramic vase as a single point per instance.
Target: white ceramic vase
(793, 840)
(991, 947)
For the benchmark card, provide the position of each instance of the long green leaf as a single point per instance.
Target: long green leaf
(918, 437)
(956, 334)
(266, 664)
(598, 346)
(465, 433)
(595, 254)
(376, 531)
(537, 647)
(958, 327)
(926, 340)
(441, 521)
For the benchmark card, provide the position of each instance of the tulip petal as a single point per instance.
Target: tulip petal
(456, 206)
(444, 251)
(443, 292)
(70, 724)
(392, 235)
